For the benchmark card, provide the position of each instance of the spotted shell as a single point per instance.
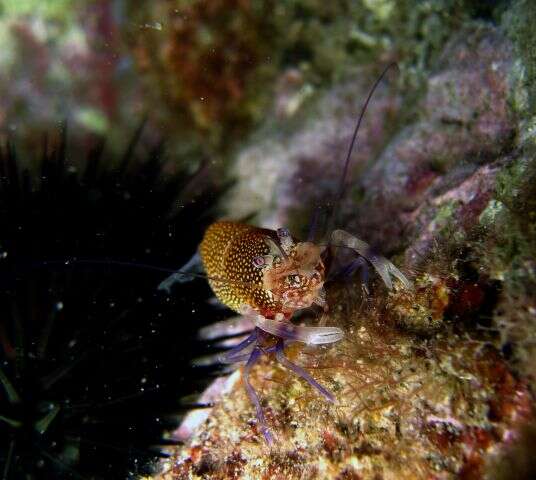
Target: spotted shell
(227, 251)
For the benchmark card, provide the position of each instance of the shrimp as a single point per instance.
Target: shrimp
(268, 276)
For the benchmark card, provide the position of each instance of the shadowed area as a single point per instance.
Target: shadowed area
(94, 360)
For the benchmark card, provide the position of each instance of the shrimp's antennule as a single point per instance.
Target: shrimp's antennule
(342, 182)
(185, 273)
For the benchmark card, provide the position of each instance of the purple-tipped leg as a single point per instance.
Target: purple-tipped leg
(280, 355)
(255, 354)
(234, 355)
(237, 354)
(361, 265)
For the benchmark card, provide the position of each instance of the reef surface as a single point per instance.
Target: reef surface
(433, 383)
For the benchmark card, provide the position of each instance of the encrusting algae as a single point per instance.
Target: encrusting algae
(431, 383)
(407, 407)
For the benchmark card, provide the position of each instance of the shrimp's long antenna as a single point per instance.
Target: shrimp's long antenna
(338, 198)
(91, 261)
(86, 261)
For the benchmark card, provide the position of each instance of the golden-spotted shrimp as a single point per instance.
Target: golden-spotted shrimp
(268, 275)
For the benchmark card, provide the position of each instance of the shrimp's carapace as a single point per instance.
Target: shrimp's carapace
(227, 252)
(262, 270)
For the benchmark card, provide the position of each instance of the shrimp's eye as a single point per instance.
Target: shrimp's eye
(316, 277)
(259, 261)
(294, 280)
(283, 233)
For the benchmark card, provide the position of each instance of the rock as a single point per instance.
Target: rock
(432, 382)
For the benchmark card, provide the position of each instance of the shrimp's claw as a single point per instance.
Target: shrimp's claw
(298, 333)
(288, 331)
(384, 267)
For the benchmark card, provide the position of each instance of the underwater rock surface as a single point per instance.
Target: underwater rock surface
(406, 409)
(433, 383)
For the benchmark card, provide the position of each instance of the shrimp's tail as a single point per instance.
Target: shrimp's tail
(186, 273)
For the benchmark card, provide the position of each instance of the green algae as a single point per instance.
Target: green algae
(519, 22)
(512, 234)
(478, 275)
(324, 42)
(47, 9)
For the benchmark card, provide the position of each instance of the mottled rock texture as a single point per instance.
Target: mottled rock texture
(436, 382)
(407, 408)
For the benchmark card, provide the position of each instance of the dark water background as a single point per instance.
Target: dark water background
(94, 361)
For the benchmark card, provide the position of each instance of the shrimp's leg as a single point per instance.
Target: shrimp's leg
(231, 356)
(194, 265)
(357, 264)
(384, 267)
(283, 360)
(255, 354)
